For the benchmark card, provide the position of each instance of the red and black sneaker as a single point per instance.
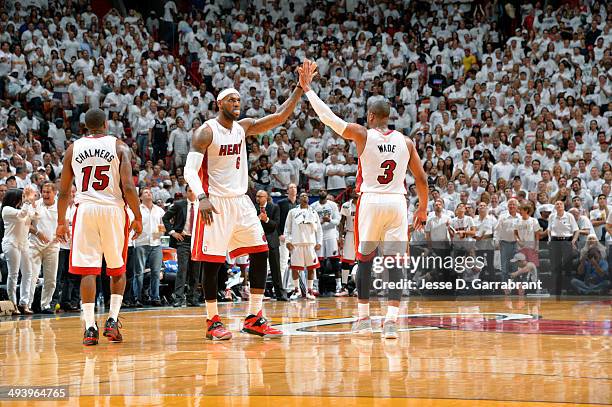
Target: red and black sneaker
(111, 330)
(90, 336)
(216, 331)
(258, 325)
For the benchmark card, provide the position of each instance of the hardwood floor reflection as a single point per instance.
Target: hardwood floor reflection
(450, 353)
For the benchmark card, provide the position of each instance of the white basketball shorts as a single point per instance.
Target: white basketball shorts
(381, 220)
(236, 230)
(97, 231)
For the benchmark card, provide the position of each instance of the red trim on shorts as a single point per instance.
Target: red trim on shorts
(204, 172)
(356, 226)
(300, 268)
(359, 178)
(85, 271)
(72, 269)
(211, 258)
(248, 250)
(198, 237)
(350, 262)
(116, 271)
(127, 238)
(366, 257)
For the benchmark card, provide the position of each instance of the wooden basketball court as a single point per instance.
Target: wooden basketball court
(533, 352)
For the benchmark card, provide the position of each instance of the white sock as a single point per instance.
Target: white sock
(310, 284)
(255, 303)
(296, 283)
(115, 306)
(392, 313)
(345, 274)
(338, 283)
(363, 310)
(89, 314)
(211, 309)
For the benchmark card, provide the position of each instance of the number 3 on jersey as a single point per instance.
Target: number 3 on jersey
(389, 167)
(100, 176)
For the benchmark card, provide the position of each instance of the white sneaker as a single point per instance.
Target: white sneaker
(341, 292)
(310, 295)
(389, 330)
(296, 295)
(245, 293)
(362, 326)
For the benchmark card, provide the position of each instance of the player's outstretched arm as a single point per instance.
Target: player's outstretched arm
(420, 216)
(127, 186)
(349, 131)
(63, 196)
(258, 126)
(202, 138)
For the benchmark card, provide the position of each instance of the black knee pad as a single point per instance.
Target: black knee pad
(211, 276)
(258, 270)
(364, 282)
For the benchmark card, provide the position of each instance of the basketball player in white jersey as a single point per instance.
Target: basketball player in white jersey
(346, 228)
(100, 166)
(216, 170)
(381, 215)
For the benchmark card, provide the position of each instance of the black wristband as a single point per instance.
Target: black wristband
(202, 196)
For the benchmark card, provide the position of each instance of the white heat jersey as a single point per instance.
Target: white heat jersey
(383, 163)
(96, 171)
(330, 209)
(224, 168)
(348, 211)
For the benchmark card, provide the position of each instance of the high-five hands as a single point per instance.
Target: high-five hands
(307, 71)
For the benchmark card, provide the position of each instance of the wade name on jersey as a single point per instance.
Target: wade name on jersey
(387, 148)
(95, 153)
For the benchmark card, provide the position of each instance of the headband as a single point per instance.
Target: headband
(225, 93)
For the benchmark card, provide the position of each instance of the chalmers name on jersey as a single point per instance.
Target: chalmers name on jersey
(96, 171)
(383, 163)
(224, 169)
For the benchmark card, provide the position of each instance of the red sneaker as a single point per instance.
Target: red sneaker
(216, 330)
(111, 330)
(258, 325)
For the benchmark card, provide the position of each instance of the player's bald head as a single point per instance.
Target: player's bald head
(95, 119)
(380, 109)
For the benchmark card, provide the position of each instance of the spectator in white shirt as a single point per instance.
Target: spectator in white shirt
(336, 181)
(283, 173)
(179, 143)
(17, 211)
(315, 172)
(44, 249)
(148, 247)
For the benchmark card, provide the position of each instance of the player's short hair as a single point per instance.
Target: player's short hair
(94, 119)
(380, 109)
(49, 184)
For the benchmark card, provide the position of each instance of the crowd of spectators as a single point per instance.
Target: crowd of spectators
(504, 99)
